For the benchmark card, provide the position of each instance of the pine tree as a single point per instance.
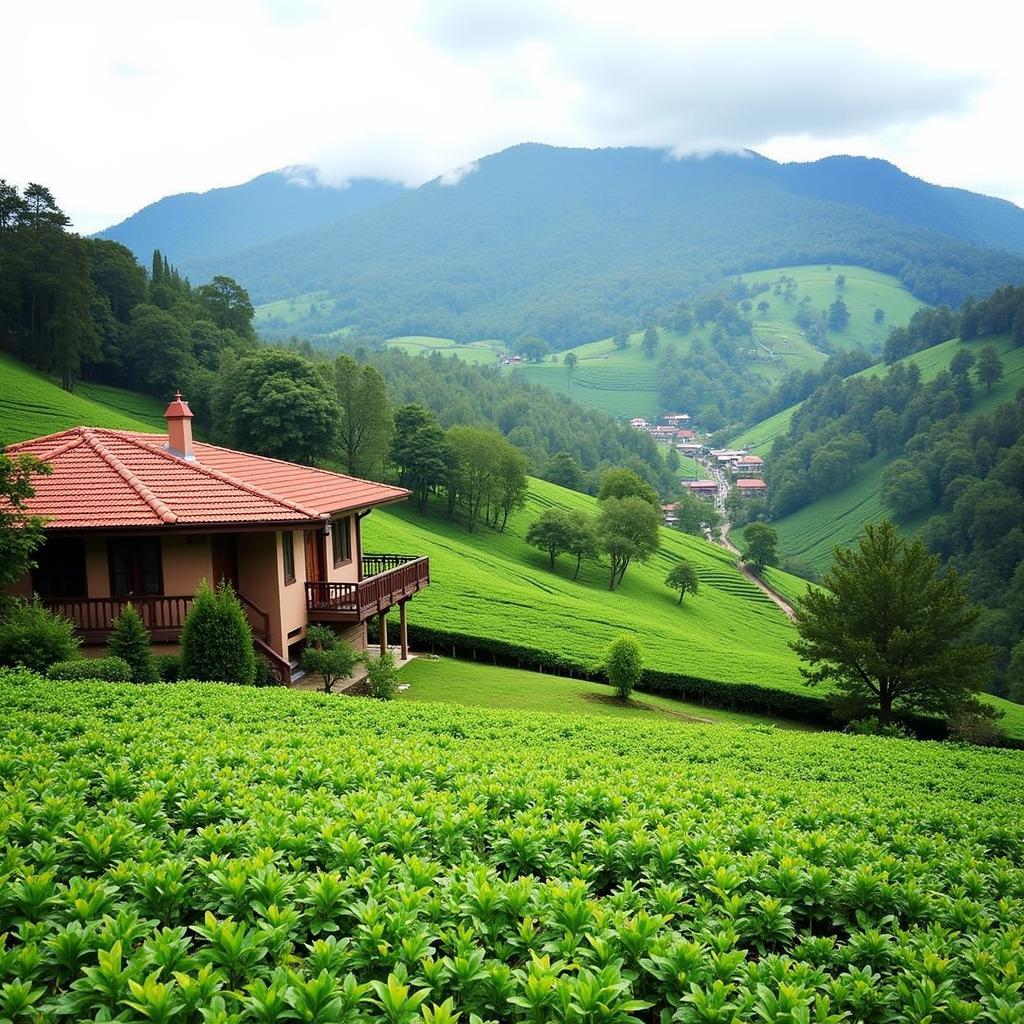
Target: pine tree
(216, 642)
(130, 640)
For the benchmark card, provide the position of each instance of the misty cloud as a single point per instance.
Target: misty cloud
(456, 174)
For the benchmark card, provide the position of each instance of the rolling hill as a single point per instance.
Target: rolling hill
(624, 383)
(837, 519)
(566, 243)
(193, 226)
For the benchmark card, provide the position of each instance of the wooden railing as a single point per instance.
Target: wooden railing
(93, 617)
(397, 577)
(259, 618)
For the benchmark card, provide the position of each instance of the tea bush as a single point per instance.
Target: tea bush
(33, 636)
(209, 853)
(110, 669)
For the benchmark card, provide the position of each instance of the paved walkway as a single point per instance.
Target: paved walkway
(309, 682)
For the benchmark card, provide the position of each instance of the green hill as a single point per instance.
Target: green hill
(568, 243)
(494, 590)
(32, 405)
(479, 353)
(837, 519)
(624, 383)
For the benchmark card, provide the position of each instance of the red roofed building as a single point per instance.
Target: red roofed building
(751, 487)
(145, 517)
(748, 465)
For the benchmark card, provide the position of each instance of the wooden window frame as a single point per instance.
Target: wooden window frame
(288, 556)
(341, 526)
(137, 571)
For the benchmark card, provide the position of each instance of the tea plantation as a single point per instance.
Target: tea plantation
(202, 853)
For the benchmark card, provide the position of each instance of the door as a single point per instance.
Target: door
(225, 559)
(315, 556)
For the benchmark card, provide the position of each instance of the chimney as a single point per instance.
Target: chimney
(179, 428)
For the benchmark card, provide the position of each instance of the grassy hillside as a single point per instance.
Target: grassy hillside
(485, 353)
(809, 534)
(32, 405)
(495, 585)
(624, 383)
(337, 855)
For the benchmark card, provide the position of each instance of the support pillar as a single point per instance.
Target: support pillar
(382, 631)
(404, 630)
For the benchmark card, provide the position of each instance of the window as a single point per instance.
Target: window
(341, 540)
(60, 569)
(288, 547)
(135, 566)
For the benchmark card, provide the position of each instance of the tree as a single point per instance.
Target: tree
(838, 315)
(551, 532)
(563, 469)
(621, 339)
(694, 514)
(619, 482)
(533, 349)
(649, 345)
(904, 488)
(886, 426)
(570, 361)
(682, 577)
(628, 531)
(511, 483)
(840, 280)
(761, 543)
(583, 538)
(624, 665)
(216, 640)
(20, 531)
(130, 641)
(365, 423)
(989, 367)
(879, 315)
(227, 304)
(763, 306)
(328, 656)
(281, 405)
(890, 632)
(421, 451)
(960, 365)
(157, 350)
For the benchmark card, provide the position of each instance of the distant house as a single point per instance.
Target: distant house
(668, 513)
(663, 433)
(751, 487)
(689, 448)
(726, 456)
(638, 423)
(702, 488)
(748, 465)
(685, 435)
(677, 419)
(143, 518)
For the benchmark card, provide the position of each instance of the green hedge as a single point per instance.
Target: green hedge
(110, 669)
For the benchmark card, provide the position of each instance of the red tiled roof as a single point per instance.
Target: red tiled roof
(118, 479)
(752, 484)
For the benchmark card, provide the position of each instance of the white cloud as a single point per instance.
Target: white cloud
(456, 174)
(129, 104)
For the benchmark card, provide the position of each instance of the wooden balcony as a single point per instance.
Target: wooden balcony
(163, 615)
(387, 580)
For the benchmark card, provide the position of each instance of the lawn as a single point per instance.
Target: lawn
(477, 684)
(32, 405)
(286, 311)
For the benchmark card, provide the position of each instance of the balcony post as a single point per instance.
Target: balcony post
(403, 630)
(382, 631)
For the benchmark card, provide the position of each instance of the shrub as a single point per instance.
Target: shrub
(870, 727)
(381, 675)
(327, 656)
(110, 669)
(216, 641)
(130, 640)
(35, 637)
(624, 665)
(168, 667)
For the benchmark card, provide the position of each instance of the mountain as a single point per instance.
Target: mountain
(193, 226)
(569, 243)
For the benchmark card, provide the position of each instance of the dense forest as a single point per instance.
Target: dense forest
(959, 474)
(566, 244)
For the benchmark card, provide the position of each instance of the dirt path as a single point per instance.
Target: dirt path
(771, 592)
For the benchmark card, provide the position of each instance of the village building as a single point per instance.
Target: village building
(748, 465)
(663, 433)
(638, 423)
(751, 488)
(144, 518)
(702, 488)
(685, 434)
(668, 513)
(689, 448)
(677, 419)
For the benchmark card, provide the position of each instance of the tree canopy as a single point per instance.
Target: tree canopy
(891, 632)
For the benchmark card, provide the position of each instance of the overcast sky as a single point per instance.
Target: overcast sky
(113, 105)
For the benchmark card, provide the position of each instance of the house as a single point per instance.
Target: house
(702, 488)
(668, 513)
(677, 419)
(145, 517)
(685, 435)
(689, 448)
(748, 465)
(726, 456)
(638, 423)
(663, 433)
(751, 488)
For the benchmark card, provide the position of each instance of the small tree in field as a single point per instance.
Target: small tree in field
(551, 532)
(381, 675)
(761, 543)
(682, 577)
(624, 665)
(328, 656)
(216, 641)
(129, 639)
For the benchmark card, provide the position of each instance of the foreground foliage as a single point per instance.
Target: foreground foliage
(212, 853)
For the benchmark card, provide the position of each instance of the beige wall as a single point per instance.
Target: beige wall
(261, 578)
(97, 567)
(347, 572)
(186, 561)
